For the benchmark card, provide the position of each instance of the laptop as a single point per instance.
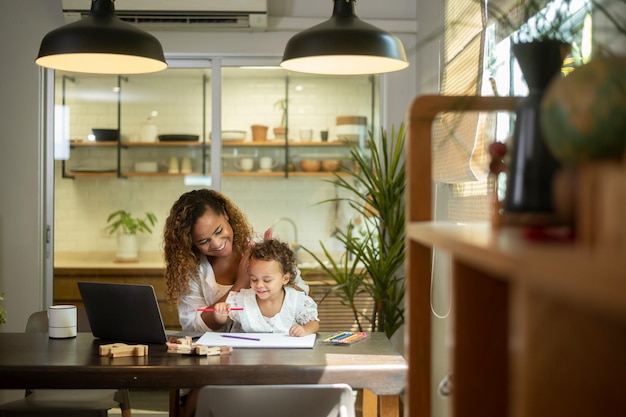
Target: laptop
(125, 313)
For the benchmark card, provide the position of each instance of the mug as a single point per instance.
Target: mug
(267, 162)
(62, 321)
(185, 165)
(245, 164)
(173, 167)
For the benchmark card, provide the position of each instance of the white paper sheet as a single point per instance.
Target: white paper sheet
(257, 340)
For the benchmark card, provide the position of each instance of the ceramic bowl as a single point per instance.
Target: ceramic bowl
(310, 165)
(331, 165)
(105, 135)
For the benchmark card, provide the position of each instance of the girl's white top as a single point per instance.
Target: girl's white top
(297, 308)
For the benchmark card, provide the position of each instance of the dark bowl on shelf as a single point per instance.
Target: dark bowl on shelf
(179, 138)
(106, 135)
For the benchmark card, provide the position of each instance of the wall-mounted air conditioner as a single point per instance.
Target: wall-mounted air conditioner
(181, 14)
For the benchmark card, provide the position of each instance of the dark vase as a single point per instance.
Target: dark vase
(531, 166)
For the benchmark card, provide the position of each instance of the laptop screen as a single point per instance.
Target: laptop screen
(123, 312)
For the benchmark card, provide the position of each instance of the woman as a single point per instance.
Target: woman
(207, 244)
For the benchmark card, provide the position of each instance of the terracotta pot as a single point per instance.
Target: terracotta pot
(279, 132)
(259, 133)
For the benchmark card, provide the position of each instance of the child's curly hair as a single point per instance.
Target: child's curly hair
(182, 258)
(275, 250)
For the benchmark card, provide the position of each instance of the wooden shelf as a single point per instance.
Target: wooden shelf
(168, 144)
(282, 144)
(538, 328)
(72, 174)
(108, 144)
(595, 279)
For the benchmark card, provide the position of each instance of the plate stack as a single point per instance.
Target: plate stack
(351, 128)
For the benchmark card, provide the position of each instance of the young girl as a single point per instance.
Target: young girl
(269, 305)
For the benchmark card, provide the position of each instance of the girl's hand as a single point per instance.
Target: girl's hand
(297, 330)
(268, 234)
(222, 309)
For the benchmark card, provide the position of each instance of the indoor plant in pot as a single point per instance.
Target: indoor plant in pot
(127, 227)
(281, 130)
(375, 250)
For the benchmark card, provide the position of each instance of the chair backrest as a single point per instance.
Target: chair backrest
(323, 400)
(38, 322)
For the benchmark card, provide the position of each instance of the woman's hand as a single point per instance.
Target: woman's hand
(268, 234)
(243, 279)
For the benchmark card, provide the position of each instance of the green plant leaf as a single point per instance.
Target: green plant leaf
(376, 187)
(123, 222)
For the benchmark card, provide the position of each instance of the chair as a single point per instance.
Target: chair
(65, 402)
(334, 400)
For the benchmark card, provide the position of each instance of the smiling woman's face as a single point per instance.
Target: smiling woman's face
(212, 235)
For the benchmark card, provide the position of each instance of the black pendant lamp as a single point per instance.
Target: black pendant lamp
(101, 44)
(344, 44)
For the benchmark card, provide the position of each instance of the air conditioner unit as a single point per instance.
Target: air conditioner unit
(181, 14)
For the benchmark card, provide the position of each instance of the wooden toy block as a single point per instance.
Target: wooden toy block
(118, 350)
(187, 347)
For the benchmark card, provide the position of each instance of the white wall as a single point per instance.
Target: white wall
(22, 25)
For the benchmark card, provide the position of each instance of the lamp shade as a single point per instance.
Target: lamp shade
(101, 44)
(344, 45)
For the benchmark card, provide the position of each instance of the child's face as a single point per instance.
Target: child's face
(266, 278)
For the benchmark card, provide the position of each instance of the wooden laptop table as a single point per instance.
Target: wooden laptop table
(35, 361)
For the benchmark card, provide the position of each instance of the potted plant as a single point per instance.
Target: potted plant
(375, 250)
(127, 227)
(280, 131)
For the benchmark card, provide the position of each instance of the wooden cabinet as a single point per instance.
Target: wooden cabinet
(539, 328)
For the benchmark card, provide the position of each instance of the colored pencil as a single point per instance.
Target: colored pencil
(231, 336)
(212, 309)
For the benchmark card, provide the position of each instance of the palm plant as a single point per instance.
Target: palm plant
(375, 250)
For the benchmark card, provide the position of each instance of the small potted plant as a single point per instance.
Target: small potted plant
(127, 227)
(280, 131)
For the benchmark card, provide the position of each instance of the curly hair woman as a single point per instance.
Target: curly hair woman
(206, 240)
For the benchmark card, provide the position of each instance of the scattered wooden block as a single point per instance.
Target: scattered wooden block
(186, 346)
(118, 350)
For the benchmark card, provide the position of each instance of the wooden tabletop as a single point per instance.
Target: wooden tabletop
(35, 361)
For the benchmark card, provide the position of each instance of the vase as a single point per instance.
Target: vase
(531, 165)
(126, 248)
